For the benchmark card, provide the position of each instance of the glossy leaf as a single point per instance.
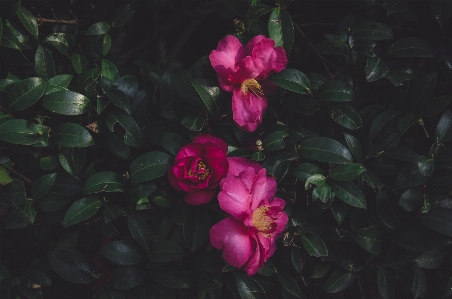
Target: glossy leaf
(347, 172)
(81, 210)
(28, 20)
(255, 12)
(355, 146)
(415, 173)
(443, 131)
(293, 80)
(73, 266)
(338, 281)
(344, 115)
(280, 28)
(122, 252)
(375, 69)
(61, 41)
(79, 63)
(349, 193)
(42, 186)
(248, 287)
(66, 102)
(210, 94)
(149, 166)
(98, 28)
(73, 135)
(411, 47)
(325, 150)
(139, 229)
(104, 181)
(172, 142)
(335, 91)
(119, 98)
(371, 30)
(274, 141)
(370, 239)
(132, 135)
(314, 245)
(25, 93)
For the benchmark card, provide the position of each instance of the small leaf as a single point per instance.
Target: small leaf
(25, 93)
(66, 102)
(347, 172)
(375, 69)
(338, 281)
(122, 252)
(28, 20)
(165, 251)
(42, 186)
(325, 150)
(149, 166)
(415, 173)
(335, 91)
(386, 283)
(370, 239)
(248, 287)
(280, 28)
(210, 94)
(443, 131)
(104, 181)
(439, 220)
(79, 63)
(314, 245)
(411, 47)
(81, 210)
(344, 115)
(193, 122)
(293, 80)
(73, 266)
(355, 146)
(349, 193)
(139, 229)
(274, 141)
(73, 135)
(98, 28)
(172, 142)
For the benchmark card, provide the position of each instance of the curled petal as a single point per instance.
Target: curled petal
(234, 197)
(239, 164)
(190, 150)
(255, 261)
(205, 138)
(247, 68)
(273, 59)
(264, 189)
(229, 51)
(232, 237)
(225, 85)
(247, 109)
(199, 197)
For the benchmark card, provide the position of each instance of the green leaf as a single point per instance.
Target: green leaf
(430, 259)
(421, 92)
(305, 170)
(139, 229)
(20, 131)
(109, 293)
(435, 105)
(401, 153)
(81, 210)
(314, 245)
(385, 209)
(355, 146)
(339, 210)
(289, 285)
(293, 80)
(109, 70)
(79, 63)
(122, 252)
(172, 142)
(196, 228)
(119, 98)
(122, 15)
(44, 64)
(280, 28)
(161, 225)
(415, 173)
(149, 166)
(375, 69)
(371, 30)
(165, 251)
(171, 275)
(193, 122)
(61, 41)
(399, 72)
(105, 181)
(112, 211)
(5, 178)
(73, 266)
(411, 199)
(325, 150)
(28, 20)
(98, 28)
(406, 122)
(25, 93)
(439, 219)
(72, 159)
(349, 193)
(19, 218)
(415, 236)
(344, 115)
(206, 281)
(210, 94)
(338, 281)
(441, 10)
(386, 283)
(443, 131)
(255, 12)
(370, 239)
(73, 135)
(335, 91)
(411, 47)
(274, 141)
(62, 80)
(248, 287)
(347, 172)
(42, 186)
(66, 102)
(334, 45)
(127, 277)
(132, 136)
(383, 122)
(9, 38)
(363, 46)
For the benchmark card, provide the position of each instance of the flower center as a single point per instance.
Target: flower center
(201, 172)
(251, 85)
(261, 220)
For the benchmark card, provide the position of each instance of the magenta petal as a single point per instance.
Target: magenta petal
(229, 51)
(273, 59)
(247, 68)
(234, 197)
(247, 110)
(204, 138)
(199, 197)
(264, 189)
(254, 262)
(239, 164)
(253, 42)
(232, 237)
(190, 150)
(225, 85)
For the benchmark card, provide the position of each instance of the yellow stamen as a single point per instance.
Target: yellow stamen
(251, 85)
(260, 219)
(203, 175)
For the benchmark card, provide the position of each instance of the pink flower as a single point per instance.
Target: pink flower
(248, 236)
(243, 70)
(199, 168)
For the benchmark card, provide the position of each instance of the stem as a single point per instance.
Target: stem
(19, 175)
(70, 22)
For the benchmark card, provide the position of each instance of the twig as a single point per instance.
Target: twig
(69, 22)
(19, 175)
(320, 55)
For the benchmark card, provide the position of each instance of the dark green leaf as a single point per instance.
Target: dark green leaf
(255, 12)
(293, 80)
(274, 141)
(401, 153)
(206, 281)
(9, 38)
(338, 281)
(389, 139)
(73, 135)
(127, 277)
(73, 266)
(415, 173)
(98, 28)
(421, 92)
(370, 239)
(112, 211)
(411, 199)
(441, 11)
(66, 102)
(386, 209)
(386, 283)
(363, 46)
(122, 15)
(371, 30)
(193, 122)
(132, 136)
(165, 251)
(172, 142)
(171, 275)
(210, 94)
(436, 105)
(332, 46)
(325, 150)
(139, 229)
(280, 28)
(79, 63)
(61, 41)
(109, 293)
(375, 69)
(196, 228)
(430, 259)
(304, 171)
(349, 193)
(314, 245)
(18, 218)
(149, 166)
(42, 186)
(406, 122)
(109, 70)
(411, 47)
(161, 225)
(119, 98)
(25, 93)
(344, 115)
(443, 131)
(399, 72)
(248, 287)
(44, 65)
(347, 172)
(20, 131)
(383, 122)
(335, 91)
(28, 20)
(289, 284)
(415, 236)
(355, 146)
(122, 252)
(439, 220)
(81, 210)
(105, 181)
(339, 210)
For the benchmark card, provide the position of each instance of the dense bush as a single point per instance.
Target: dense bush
(97, 99)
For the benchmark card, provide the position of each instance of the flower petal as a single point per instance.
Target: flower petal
(199, 197)
(264, 189)
(192, 150)
(247, 68)
(255, 261)
(239, 164)
(229, 51)
(204, 138)
(234, 197)
(247, 110)
(273, 59)
(232, 237)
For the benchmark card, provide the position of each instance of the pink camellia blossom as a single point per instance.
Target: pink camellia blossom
(243, 71)
(248, 236)
(199, 168)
